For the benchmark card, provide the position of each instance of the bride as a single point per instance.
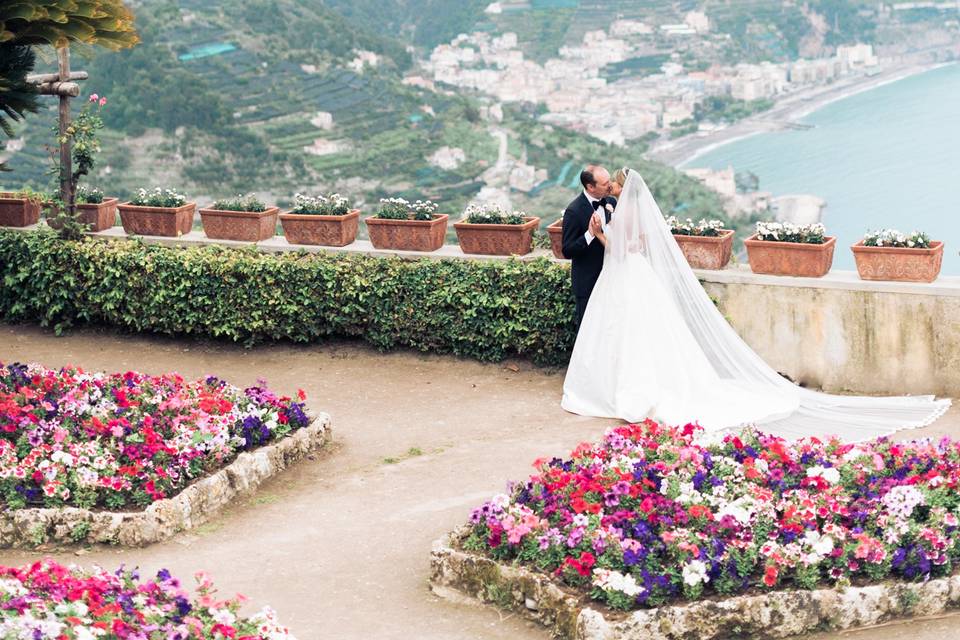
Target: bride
(653, 345)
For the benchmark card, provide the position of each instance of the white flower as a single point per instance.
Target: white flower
(695, 572)
(821, 545)
(223, 616)
(830, 474)
(615, 581)
(901, 501)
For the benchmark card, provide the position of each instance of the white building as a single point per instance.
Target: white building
(363, 59)
(856, 56)
(524, 177)
(678, 30)
(323, 120)
(676, 113)
(723, 181)
(448, 158)
(621, 28)
(323, 147)
(698, 21)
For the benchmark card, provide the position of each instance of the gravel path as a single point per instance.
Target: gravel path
(340, 545)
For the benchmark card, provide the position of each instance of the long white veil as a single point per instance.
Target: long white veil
(638, 226)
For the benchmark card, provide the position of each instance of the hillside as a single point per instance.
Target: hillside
(223, 98)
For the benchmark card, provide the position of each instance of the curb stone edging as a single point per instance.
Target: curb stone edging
(461, 576)
(195, 505)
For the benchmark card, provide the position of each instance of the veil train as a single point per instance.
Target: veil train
(639, 226)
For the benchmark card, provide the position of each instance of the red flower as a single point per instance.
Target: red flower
(770, 576)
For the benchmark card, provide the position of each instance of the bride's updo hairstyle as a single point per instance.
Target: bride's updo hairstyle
(620, 176)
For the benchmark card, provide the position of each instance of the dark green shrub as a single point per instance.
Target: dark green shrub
(487, 310)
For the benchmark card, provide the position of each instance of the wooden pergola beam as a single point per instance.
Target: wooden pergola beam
(47, 78)
(62, 89)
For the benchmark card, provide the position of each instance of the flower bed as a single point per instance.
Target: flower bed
(49, 600)
(69, 438)
(648, 517)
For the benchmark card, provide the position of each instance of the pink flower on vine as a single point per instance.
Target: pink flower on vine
(94, 97)
(103, 101)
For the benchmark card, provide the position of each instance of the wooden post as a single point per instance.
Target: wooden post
(66, 165)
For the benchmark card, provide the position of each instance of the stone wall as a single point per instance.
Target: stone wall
(462, 576)
(843, 334)
(190, 508)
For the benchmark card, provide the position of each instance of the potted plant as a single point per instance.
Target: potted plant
(243, 218)
(890, 255)
(19, 208)
(785, 249)
(491, 230)
(407, 226)
(95, 211)
(161, 212)
(555, 229)
(321, 220)
(705, 244)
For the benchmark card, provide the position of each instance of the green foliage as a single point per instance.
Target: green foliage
(248, 203)
(38, 534)
(80, 531)
(426, 22)
(16, 96)
(722, 108)
(487, 310)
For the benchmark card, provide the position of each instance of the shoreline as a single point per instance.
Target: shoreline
(789, 108)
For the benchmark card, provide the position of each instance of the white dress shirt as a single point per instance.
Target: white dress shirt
(603, 221)
(588, 235)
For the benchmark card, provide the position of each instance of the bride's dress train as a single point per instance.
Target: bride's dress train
(652, 344)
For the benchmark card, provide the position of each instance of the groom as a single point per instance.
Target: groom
(583, 219)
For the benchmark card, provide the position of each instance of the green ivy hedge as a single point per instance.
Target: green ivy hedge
(486, 310)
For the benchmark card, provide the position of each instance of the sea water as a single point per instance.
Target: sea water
(888, 157)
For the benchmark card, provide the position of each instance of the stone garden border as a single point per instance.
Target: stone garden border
(193, 506)
(467, 577)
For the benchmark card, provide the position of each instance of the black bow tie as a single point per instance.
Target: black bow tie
(597, 204)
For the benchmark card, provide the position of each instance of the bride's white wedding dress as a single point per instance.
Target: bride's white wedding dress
(653, 345)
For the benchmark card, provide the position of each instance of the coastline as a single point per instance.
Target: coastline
(788, 109)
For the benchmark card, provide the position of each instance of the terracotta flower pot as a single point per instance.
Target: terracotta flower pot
(790, 258)
(16, 211)
(327, 231)
(170, 222)
(408, 235)
(497, 239)
(97, 216)
(245, 226)
(900, 264)
(707, 252)
(555, 229)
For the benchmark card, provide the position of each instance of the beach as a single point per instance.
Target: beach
(789, 108)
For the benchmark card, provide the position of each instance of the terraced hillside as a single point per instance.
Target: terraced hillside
(225, 97)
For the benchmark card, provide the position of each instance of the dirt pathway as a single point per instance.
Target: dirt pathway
(340, 545)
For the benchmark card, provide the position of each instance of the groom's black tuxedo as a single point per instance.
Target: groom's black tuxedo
(587, 259)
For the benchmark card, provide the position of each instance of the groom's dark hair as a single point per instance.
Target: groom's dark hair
(586, 176)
